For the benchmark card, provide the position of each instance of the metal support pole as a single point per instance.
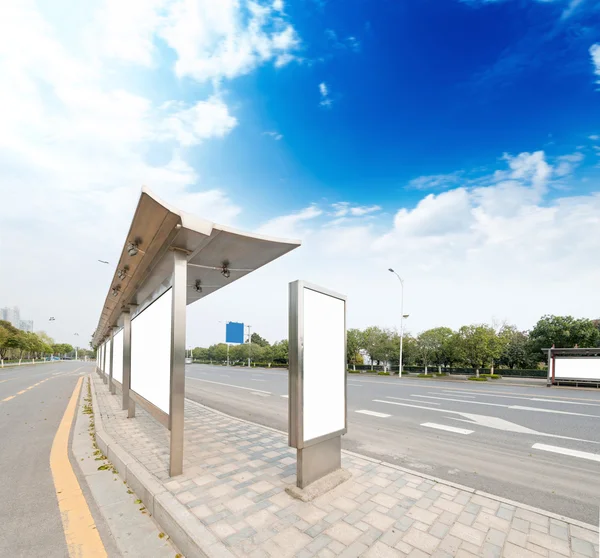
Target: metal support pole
(104, 377)
(111, 385)
(549, 379)
(126, 359)
(176, 407)
(227, 354)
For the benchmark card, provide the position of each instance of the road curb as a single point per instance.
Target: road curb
(425, 476)
(187, 533)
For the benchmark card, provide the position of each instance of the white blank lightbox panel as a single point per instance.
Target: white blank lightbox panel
(102, 357)
(577, 368)
(151, 352)
(117, 362)
(324, 365)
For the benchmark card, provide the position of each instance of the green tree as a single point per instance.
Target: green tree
(258, 340)
(200, 353)
(479, 345)
(436, 346)
(281, 352)
(516, 351)
(372, 343)
(354, 343)
(563, 332)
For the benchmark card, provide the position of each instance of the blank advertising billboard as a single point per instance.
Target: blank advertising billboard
(322, 363)
(151, 352)
(585, 368)
(234, 332)
(117, 361)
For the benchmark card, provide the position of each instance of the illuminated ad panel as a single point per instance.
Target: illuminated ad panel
(117, 361)
(587, 368)
(151, 352)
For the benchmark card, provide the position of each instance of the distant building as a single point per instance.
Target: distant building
(12, 315)
(26, 325)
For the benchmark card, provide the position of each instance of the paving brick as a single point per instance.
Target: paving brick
(468, 534)
(489, 550)
(582, 547)
(381, 550)
(439, 530)
(421, 515)
(422, 541)
(292, 539)
(378, 520)
(550, 543)
(512, 551)
(343, 533)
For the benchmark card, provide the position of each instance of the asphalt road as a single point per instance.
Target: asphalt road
(29, 516)
(535, 445)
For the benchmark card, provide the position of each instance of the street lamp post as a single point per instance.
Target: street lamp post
(249, 344)
(76, 347)
(402, 316)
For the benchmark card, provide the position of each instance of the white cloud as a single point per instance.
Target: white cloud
(594, 137)
(273, 134)
(364, 210)
(567, 163)
(226, 39)
(290, 226)
(342, 209)
(595, 54)
(205, 119)
(324, 91)
(435, 181)
(278, 5)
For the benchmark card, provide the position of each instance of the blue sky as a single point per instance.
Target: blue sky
(424, 88)
(456, 141)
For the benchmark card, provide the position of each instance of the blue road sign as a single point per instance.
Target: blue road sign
(234, 332)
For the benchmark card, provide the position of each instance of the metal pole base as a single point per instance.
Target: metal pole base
(318, 460)
(131, 408)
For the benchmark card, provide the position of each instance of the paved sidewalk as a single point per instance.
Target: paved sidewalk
(234, 485)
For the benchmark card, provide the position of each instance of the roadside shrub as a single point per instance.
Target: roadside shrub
(353, 371)
(426, 375)
(441, 375)
(476, 379)
(383, 373)
(492, 376)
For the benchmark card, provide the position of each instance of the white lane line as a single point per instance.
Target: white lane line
(412, 400)
(286, 396)
(228, 385)
(566, 402)
(373, 413)
(442, 393)
(355, 385)
(567, 451)
(516, 407)
(554, 411)
(259, 393)
(460, 392)
(255, 380)
(224, 375)
(447, 428)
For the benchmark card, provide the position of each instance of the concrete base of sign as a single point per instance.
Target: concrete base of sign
(319, 487)
(318, 460)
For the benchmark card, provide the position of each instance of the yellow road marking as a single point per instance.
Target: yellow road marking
(34, 385)
(81, 534)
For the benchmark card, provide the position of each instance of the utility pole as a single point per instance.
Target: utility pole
(250, 344)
